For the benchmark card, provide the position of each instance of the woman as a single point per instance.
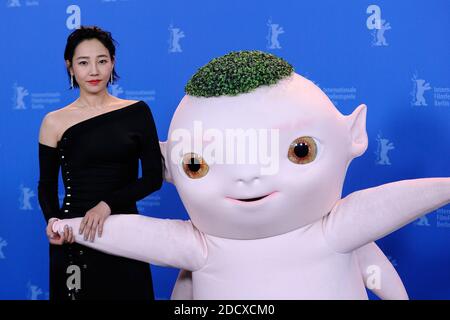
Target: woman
(97, 140)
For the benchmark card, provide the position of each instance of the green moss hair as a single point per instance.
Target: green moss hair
(237, 72)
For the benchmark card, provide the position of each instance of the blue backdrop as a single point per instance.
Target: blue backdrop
(393, 56)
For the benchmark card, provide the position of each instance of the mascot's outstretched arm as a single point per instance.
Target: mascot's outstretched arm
(163, 242)
(367, 215)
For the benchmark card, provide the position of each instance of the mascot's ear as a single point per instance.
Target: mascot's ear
(357, 126)
(166, 174)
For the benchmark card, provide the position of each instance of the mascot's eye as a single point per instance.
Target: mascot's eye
(302, 150)
(194, 166)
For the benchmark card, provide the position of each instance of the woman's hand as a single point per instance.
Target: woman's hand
(55, 238)
(94, 220)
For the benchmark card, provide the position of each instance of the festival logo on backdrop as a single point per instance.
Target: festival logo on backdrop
(36, 100)
(175, 35)
(340, 94)
(3, 243)
(272, 37)
(115, 89)
(13, 3)
(34, 292)
(439, 96)
(420, 86)
(18, 3)
(147, 95)
(422, 222)
(153, 200)
(384, 145)
(443, 218)
(19, 94)
(26, 194)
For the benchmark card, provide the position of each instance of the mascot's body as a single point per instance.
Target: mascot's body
(267, 220)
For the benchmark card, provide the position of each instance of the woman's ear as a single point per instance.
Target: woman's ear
(69, 67)
(357, 126)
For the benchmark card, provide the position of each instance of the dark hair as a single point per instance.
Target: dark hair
(87, 33)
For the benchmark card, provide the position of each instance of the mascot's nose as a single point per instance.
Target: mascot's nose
(248, 174)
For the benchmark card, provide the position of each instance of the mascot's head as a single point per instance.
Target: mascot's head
(256, 150)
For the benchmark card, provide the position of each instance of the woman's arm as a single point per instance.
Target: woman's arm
(48, 178)
(48, 168)
(48, 181)
(151, 159)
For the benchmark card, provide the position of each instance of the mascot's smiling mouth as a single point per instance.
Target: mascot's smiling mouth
(248, 200)
(253, 199)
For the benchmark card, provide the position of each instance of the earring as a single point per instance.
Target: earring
(111, 78)
(71, 81)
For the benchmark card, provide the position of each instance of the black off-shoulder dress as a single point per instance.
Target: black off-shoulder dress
(99, 161)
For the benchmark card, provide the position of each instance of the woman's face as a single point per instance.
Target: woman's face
(91, 66)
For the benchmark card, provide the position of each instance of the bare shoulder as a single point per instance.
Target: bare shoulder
(124, 102)
(132, 101)
(52, 124)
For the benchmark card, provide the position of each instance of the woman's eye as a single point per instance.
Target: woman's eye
(103, 61)
(83, 62)
(194, 166)
(302, 150)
